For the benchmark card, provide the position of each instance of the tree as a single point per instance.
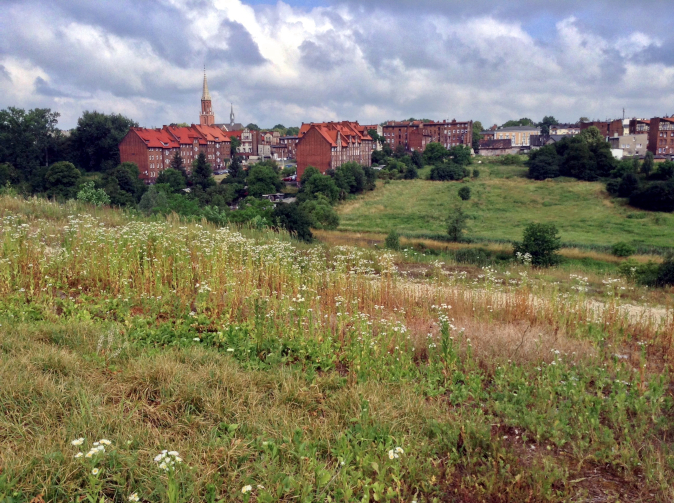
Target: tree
(96, 139)
(174, 178)
(448, 171)
(319, 184)
(253, 127)
(123, 184)
(8, 174)
(541, 242)
(657, 196)
(435, 153)
(202, 175)
(647, 166)
(591, 135)
(543, 163)
(545, 124)
(153, 200)
(524, 121)
(26, 139)
(392, 241)
(578, 161)
(417, 159)
(411, 173)
(628, 185)
(457, 223)
(461, 155)
(477, 129)
(292, 131)
(308, 173)
(293, 219)
(350, 177)
(399, 151)
(90, 194)
(464, 193)
(279, 127)
(262, 179)
(177, 164)
(320, 212)
(583, 119)
(61, 180)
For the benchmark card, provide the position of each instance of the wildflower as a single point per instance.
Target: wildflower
(134, 497)
(79, 455)
(246, 489)
(196, 339)
(78, 441)
(399, 450)
(392, 454)
(95, 471)
(260, 486)
(230, 350)
(105, 441)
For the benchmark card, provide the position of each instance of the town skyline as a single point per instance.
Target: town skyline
(291, 62)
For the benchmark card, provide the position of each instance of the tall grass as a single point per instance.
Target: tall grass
(301, 369)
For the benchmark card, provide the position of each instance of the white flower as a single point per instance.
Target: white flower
(399, 450)
(196, 339)
(230, 350)
(96, 444)
(246, 489)
(392, 454)
(78, 441)
(163, 466)
(260, 486)
(95, 471)
(105, 441)
(79, 455)
(100, 448)
(173, 453)
(134, 497)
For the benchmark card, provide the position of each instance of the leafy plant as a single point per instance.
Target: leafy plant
(464, 193)
(392, 241)
(623, 250)
(542, 242)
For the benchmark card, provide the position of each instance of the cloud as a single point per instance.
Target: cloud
(283, 63)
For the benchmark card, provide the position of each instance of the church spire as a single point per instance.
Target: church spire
(231, 115)
(205, 95)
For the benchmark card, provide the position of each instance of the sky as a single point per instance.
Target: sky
(298, 61)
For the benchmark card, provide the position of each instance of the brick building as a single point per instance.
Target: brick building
(661, 136)
(289, 146)
(328, 145)
(415, 135)
(606, 128)
(153, 149)
(639, 126)
(379, 130)
(493, 148)
(520, 136)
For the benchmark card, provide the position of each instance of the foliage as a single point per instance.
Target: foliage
(202, 174)
(461, 155)
(411, 173)
(664, 172)
(448, 171)
(392, 241)
(591, 135)
(464, 193)
(543, 163)
(525, 121)
(178, 164)
(315, 184)
(656, 196)
(417, 159)
(628, 185)
(435, 153)
(623, 249)
(476, 137)
(174, 178)
(90, 194)
(123, 184)
(61, 180)
(457, 223)
(8, 174)
(263, 179)
(350, 178)
(511, 160)
(320, 212)
(476, 173)
(542, 242)
(648, 163)
(545, 124)
(96, 139)
(293, 219)
(154, 200)
(253, 127)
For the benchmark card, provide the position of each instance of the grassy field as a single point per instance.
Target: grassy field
(163, 361)
(502, 203)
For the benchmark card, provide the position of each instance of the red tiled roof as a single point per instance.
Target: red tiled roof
(156, 138)
(213, 133)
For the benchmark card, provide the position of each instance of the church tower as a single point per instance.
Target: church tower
(207, 118)
(231, 116)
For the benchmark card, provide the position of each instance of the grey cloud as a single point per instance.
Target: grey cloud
(241, 48)
(42, 87)
(4, 74)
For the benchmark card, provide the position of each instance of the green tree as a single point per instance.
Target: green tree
(399, 151)
(591, 135)
(647, 166)
(464, 193)
(477, 129)
(411, 173)
(524, 121)
(292, 131)
(350, 177)
(448, 171)
(392, 241)
(545, 124)
(26, 139)
(123, 184)
(202, 175)
(457, 223)
(178, 164)
(541, 242)
(96, 139)
(583, 119)
(61, 180)
(262, 179)
(293, 219)
(253, 127)
(578, 161)
(543, 163)
(153, 201)
(8, 174)
(174, 178)
(320, 212)
(417, 159)
(318, 184)
(435, 153)
(90, 194)
(461, 155)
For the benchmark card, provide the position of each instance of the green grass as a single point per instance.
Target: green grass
(502, 203)
(310, 373)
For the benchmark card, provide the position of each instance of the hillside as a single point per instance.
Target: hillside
(157, 360)
(502, 203)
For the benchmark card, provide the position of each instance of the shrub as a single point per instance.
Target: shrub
(623, 250)
(392, 241)
(666, 272)
(476, 173)
(89, 194)
(613, 186)
(644, 274)
(511, 160)
(543, 163)
(464, 193)
(411, 173)
(657, 196)
(541, 242)
(448, 171)
(293, 219)
(628, 185)
(456, 224)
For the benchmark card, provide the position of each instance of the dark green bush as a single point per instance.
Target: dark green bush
(464, 193)
(392, 240)
(448, 171)
(623, 250)
(541, 242)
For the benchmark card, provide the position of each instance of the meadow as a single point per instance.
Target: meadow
(158, 360)
(503, 201)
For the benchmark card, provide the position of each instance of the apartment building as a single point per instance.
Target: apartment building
(661, 136)
(519, 136)
(415, 135)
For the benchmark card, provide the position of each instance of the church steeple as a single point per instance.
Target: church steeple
(231, 116)
(207, 118)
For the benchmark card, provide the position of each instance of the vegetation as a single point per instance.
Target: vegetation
(464, 193)
(457, 224)
(540, 244)
(502, 202)
(268, 370)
